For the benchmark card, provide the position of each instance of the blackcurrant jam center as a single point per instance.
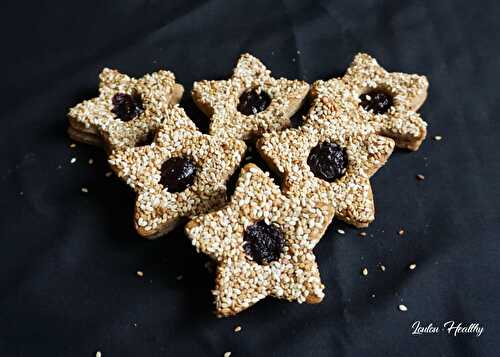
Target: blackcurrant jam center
(177, 174)
(253, 102)
(127, 106)
(263, 242)
(328, 161)
(378, 101)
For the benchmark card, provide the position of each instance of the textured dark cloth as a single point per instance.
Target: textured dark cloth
(68, 262)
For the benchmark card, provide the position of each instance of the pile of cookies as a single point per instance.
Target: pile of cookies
(262, 237)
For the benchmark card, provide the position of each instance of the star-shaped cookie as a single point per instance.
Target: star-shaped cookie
(127, 110)
(330, 163)
(387, 101)
(181, 174)
(251, 102)
(263, 243)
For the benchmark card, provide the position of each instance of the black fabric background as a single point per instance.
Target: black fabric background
(68, 260)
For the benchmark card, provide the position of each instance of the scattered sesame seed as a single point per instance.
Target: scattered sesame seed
(364, 271)
(237, 329)
(340, 231)
(412, 266)
(91, 161)
(403, 307)
(98, 354)
(420, 177)
(382, 267)
(373, 296)
(227, 354)
(362, 234)
(438, 137)
(72, 145)
(73, 160)
(401, 232)
(85, 190)
(108, 174)
(140, 273)
(179, 277)
(21, 193)
(298, 52)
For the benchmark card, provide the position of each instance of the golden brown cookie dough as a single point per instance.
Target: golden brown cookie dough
(148, 99)
(363, 152)
(159, 207)
(220, 100)
(279, 263)
(364, 81)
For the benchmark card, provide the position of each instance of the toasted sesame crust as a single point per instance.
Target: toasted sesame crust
(240, 281)
(158, 92)
(287, 153)
(219, 100)
(409, 91)
(157, 211)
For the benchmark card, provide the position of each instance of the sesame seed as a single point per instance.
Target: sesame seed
(340, 231)
(73, 160)
(412, 266)
(401, 232)
(85, 190)
(420, 177)
(403, 307)
(98, 354)
(364, 272)
(237, 329)
(382, 267)
(91, 161)
(179, 277)
(140, 273)
(227, 354)
(108, 174)
(72, 145)
(438, 137)
(362, 234)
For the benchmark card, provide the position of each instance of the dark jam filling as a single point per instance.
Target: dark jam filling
(127, 106)
(177, 174)
(328, 161)
(377, 101)
(147, 140)
(253, 102)
(264, 243)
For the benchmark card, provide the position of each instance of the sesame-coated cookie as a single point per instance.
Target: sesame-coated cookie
(387, 101)
(181, 174)
(329, 162)
(127, 110)
(263, 244)
(251, 102)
